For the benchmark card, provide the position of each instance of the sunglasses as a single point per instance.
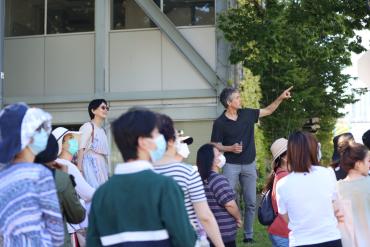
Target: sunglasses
(103, 107)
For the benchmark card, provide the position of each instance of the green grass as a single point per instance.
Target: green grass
(260, 236)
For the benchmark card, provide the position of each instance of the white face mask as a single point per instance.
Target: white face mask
(222, 159)
(182, 149)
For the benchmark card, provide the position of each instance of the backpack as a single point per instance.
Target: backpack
(266, 213)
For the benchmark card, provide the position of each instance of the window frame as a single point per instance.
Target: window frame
(45, 34)
(155, 28)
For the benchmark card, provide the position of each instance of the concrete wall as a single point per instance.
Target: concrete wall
(56, 72)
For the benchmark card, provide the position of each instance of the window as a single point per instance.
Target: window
(190, 12)
(126, 14)
(24, 17)
(69, 16)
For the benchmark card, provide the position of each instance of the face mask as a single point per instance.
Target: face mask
(73, 146)
(222, 159)
(182, 149)
(158, 153)
(40, 140)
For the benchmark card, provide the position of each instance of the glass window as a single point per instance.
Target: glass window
(69, 16)
(126, 14)
(24, 17)
(190, 12)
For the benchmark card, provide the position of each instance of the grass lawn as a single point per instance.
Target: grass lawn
(260, 236)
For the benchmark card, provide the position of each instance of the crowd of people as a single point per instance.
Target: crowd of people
(55, 188)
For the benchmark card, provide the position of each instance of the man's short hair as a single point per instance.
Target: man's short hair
(366, 139)
(129, 127)
(166, 127)
(225, 95)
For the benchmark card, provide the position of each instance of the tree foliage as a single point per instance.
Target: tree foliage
(300, 43)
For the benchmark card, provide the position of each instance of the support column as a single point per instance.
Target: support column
(170, 30)
(101, 46)
(2, 30)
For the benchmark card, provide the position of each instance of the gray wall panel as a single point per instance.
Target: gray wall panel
(135, 61)
(69, 64)
(24, 67)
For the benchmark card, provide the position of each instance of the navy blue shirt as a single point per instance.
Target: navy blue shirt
(219, 192)
(228, 132)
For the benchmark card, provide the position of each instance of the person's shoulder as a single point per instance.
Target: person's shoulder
(62, 180)
(162, 182)
(153, 177)
(328, 171)
(177, 167)
(285, 181)
(86, 127)
(216, 179)
(248, 111)
(367, 181)
(220, 119)
(38, 167)
(188, 168)
(280, 174)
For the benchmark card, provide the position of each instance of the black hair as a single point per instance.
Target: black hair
(225, 95)
(166, 127)
(366, 139)
(205, 158)
(93, 105)
(343, 137)
(129, 127)
(50, 153)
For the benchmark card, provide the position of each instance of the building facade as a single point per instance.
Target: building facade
(166, 55)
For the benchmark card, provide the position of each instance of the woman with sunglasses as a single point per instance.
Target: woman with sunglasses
(29, 207)
(93, 151)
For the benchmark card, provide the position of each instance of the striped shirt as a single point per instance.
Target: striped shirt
(190, 182)
(29, 207)
(219, 192)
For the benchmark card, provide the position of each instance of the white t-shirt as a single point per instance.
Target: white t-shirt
(307, 199)
(83, 189)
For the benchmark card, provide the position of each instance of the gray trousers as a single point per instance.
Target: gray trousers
(246, 175)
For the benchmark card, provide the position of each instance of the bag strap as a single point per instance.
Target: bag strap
(92, 132)
(91, 139)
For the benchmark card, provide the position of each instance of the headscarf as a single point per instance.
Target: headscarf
(18, 124)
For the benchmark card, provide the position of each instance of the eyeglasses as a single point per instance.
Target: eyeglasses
(103, 107)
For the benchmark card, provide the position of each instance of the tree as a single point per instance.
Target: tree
(304, 43)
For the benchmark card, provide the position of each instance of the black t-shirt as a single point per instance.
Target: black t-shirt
(228, 132)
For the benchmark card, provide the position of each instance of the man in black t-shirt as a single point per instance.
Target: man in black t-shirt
(233, 134)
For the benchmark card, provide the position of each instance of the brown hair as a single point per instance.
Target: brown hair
(350, 153)
(313, 145)
(299, 152)
(346, 137)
